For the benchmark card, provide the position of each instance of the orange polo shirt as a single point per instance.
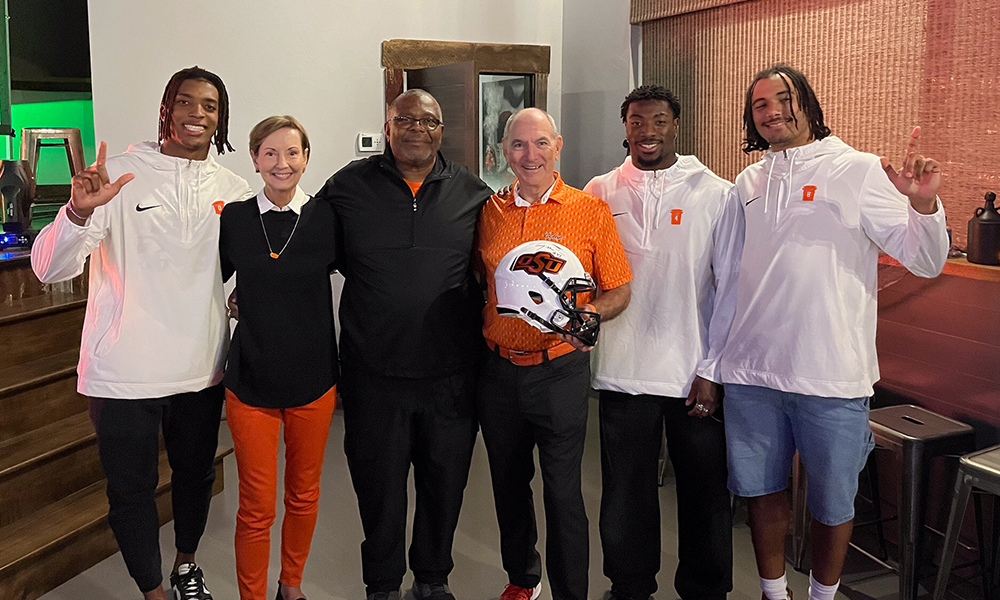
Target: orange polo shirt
(570, 217)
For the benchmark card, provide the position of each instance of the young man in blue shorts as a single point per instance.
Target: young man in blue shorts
(800, 361)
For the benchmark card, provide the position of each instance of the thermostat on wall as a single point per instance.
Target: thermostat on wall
(371, 142)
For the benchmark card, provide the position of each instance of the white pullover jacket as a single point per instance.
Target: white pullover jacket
(668, 223)
(156, 317)
(805, 315)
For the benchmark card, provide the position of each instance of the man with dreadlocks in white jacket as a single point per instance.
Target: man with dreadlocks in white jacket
(800, 362)
(155, 333)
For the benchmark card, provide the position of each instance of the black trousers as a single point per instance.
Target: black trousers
(390, 424)
(129, 447)
(544, 406)
(631, 434)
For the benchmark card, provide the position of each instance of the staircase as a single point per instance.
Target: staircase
(53, 509)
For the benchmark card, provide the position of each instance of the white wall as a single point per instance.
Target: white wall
(316, 59)
(596, 76)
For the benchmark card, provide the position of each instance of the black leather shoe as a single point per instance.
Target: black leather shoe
(279, 596)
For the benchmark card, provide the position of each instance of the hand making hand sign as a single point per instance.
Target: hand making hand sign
(919, 179)
(92, 188)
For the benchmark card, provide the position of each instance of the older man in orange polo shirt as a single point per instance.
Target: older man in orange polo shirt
(534, 386)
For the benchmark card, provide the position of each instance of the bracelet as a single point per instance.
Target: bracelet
(69, 207)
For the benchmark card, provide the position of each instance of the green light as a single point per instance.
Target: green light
(53, 168)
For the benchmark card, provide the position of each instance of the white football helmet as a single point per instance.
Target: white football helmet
(538, 282)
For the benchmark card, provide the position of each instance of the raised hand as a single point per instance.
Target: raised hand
(919, 178)
(92, 187)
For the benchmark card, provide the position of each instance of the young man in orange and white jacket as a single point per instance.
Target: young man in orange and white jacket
(800, 362)
(651, 366)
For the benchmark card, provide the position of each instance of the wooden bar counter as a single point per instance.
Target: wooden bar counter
(53, 508)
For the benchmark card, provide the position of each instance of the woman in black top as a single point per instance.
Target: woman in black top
(282, 366)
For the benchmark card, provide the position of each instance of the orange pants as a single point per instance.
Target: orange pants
(255, 441)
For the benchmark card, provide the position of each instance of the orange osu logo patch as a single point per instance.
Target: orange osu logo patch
(675, 216)
(537, 263)
(808, 193)
(218, 205)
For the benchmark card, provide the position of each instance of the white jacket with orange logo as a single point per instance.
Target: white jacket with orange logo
(668, 223)
(156, 318)
(815, 218)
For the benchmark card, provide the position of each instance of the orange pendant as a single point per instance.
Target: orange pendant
(273, 255)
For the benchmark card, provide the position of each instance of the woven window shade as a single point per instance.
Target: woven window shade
(649, 10)
(879, 67)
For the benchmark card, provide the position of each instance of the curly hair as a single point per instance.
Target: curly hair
(221, 137)
(807, 102)
(652, 92)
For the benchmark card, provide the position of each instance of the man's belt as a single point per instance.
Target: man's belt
(530, 358)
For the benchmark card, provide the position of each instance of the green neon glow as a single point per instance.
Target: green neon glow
(53, 168)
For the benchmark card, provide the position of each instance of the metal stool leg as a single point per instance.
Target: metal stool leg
(963, 488)
(800, 512)
(983, 551)
(662, 464)
(74, 151)
(913, 485)
(996, 548)
(876, 498)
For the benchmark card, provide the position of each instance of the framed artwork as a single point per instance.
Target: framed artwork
(500, 96)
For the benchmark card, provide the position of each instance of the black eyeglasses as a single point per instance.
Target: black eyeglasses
(428, 123)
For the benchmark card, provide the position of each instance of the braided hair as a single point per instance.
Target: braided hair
(807, 102)
(221, 137)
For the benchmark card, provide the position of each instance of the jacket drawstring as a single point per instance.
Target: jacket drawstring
(659, 198)
(767, 190)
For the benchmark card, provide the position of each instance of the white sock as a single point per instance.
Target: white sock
(775, 589)
(818, 591)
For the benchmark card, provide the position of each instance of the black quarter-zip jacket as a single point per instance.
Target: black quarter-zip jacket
(410, 306)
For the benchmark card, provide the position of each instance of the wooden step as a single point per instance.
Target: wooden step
(38, 392)
(63, 539)
(39, 327)
(45, 465)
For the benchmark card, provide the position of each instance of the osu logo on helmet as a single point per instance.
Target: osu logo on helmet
(539, 262)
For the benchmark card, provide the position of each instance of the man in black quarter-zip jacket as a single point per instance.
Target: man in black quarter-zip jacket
(410, 337)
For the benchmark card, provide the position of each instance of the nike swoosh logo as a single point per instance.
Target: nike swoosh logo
(139, 208)
(619, 214)
(750, 200)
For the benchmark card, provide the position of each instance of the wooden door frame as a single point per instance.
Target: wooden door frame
(522, 59)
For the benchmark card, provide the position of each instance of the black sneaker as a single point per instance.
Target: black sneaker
(617, 595)
(432, 591)
(188, 583)
(384, 595)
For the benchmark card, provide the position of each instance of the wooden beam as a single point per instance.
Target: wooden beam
(489, 58)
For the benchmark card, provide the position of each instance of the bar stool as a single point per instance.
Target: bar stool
(915, 436)
(979, 470)
(33, 139)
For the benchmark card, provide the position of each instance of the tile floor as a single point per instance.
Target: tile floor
(334, 568)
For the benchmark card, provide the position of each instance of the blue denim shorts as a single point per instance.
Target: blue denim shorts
(764, 428)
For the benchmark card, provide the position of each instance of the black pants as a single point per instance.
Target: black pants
(631, 434)
(129, 447)
(543, 406)
(389, 424)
